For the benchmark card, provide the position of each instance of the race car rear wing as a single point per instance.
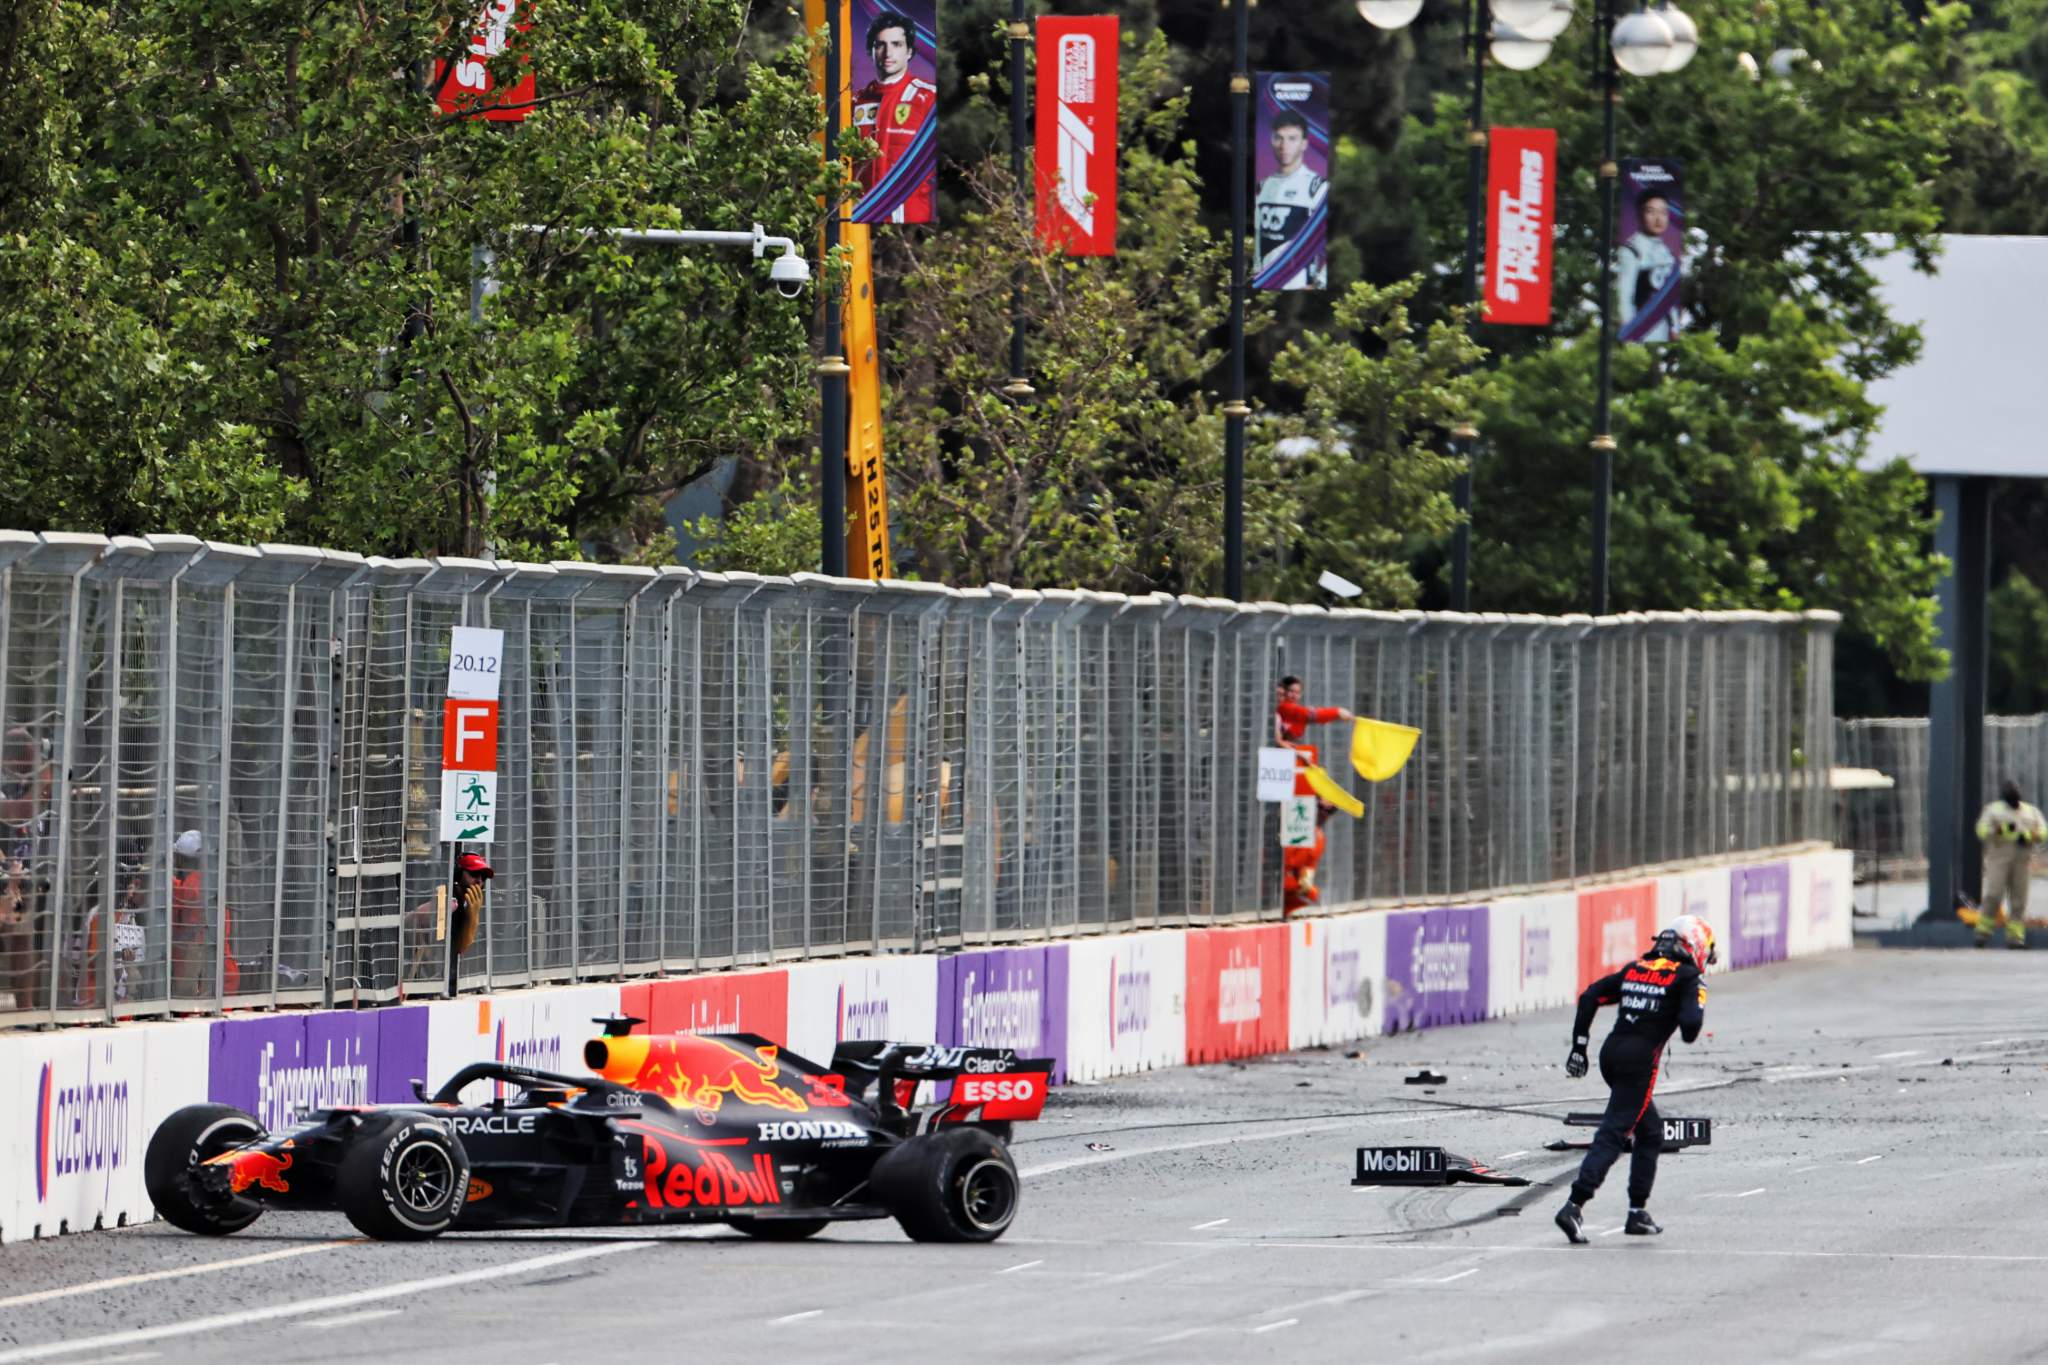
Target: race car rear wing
(994, 1082)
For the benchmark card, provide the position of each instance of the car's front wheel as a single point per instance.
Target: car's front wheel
(170, 1168)
(953, 1186)
(403, 1178)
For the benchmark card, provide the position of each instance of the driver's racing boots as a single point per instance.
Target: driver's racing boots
(1570, 1221)
(1640, 1224)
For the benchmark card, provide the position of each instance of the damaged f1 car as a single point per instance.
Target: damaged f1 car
(679, 1128)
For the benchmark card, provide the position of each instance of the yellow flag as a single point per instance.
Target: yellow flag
(1379, 748)
(1326, 787)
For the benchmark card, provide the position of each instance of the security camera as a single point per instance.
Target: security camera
(791, 273)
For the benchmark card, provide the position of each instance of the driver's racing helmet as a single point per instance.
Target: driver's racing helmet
(1695, 936)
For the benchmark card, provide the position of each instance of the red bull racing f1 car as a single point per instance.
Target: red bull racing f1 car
(683, 1128)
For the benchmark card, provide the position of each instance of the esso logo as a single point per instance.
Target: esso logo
(994, 1089)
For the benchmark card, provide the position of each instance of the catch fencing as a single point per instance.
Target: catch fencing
(219, 772)
(1887, 828)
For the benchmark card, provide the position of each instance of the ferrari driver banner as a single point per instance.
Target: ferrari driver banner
(1521, 204)
(465, 86)
(895, 106)
(1649, 254)
(1293, 166)
(1077, 135)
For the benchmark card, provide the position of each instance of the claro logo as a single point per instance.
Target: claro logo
(1076, 139)
(1005, 1015)
(81, 1123)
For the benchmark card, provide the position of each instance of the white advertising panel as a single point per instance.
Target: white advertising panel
(850, 999)
(77, 1130)
(14, 1095)
(1126, 1004)
(543, 1028)
(1820, 903)
(179, 1061)
(1337, 978)
(1534, 946)
(1703, 892)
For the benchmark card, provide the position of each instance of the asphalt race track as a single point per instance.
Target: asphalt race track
(1873, 1193)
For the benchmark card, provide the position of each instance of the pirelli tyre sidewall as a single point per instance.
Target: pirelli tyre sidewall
(953, 1186)
(180, 1145)
(404, 1177)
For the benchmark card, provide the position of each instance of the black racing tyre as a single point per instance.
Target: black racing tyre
(779, 1229)
(403, 1178)
(170, 1166)
(956, 1186)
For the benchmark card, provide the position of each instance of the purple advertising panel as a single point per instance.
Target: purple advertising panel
(1758, 914)
(1436, 967)
(1007, 997)
(1292, 168)
(280, 1067)
(1649, 249)
(895, 106)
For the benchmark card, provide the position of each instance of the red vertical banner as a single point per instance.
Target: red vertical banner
(464, 85)
(1076, 152)
(1521, 206)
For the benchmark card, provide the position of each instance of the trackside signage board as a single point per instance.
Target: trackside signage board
(1401, 1166)
(469, 736)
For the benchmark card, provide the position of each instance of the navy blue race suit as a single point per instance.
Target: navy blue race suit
(1658, 992)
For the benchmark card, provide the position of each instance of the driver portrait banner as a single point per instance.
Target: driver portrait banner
(1649, 249)
(466, 86)
(1076, 142)
(895, 106)
(1292, 167)
(1521, 205)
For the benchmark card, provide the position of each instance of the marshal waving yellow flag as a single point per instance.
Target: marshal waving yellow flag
(1379, 748)
(1325, 786)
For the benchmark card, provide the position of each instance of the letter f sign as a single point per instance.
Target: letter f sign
(469, 736)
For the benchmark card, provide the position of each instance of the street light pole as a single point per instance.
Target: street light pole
(1020, 36)
(1234, 408)
(1479, 23)
(1603, 437)
(832, 366)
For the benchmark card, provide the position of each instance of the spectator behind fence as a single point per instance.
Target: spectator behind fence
(27, 778)
(193, 935)
(472, 870)
(2009, 829)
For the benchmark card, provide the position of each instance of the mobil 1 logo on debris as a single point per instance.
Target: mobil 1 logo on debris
(1401, 1166)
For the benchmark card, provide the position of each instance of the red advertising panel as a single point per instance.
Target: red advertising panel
(1076, 155)
(1237, 992)
(1521, 206)
(1615, 924)
(465, 85)
(469, 736)
(735, 1002)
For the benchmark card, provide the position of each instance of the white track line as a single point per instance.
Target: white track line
(329, 1303)
(1275, 1326)
(1867, 1160)
(1213, 1223)
(147, 1276)
(797, 1317)
(1893, 1056)
(350, 1319)
(1024, 1265)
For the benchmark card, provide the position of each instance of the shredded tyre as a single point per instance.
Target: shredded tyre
(956, 1186)
(170, 1168)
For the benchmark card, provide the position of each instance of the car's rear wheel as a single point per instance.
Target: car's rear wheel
(170, 1168)
(779, 1229)
(956, 1186)
(403, 1178)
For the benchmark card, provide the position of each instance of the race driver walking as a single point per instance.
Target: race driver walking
(1659, 992)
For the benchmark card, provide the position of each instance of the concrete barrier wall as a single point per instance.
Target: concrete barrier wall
(82, 1103)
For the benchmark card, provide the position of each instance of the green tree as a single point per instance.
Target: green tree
(247, 307)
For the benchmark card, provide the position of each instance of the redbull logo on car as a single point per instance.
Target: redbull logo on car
(81, 1123)
(693, 1070)
(687, 1178)
(253, 1167)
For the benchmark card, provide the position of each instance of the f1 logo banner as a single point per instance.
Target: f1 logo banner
(1293, 168)
(1521, 205)
(1076, 155)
